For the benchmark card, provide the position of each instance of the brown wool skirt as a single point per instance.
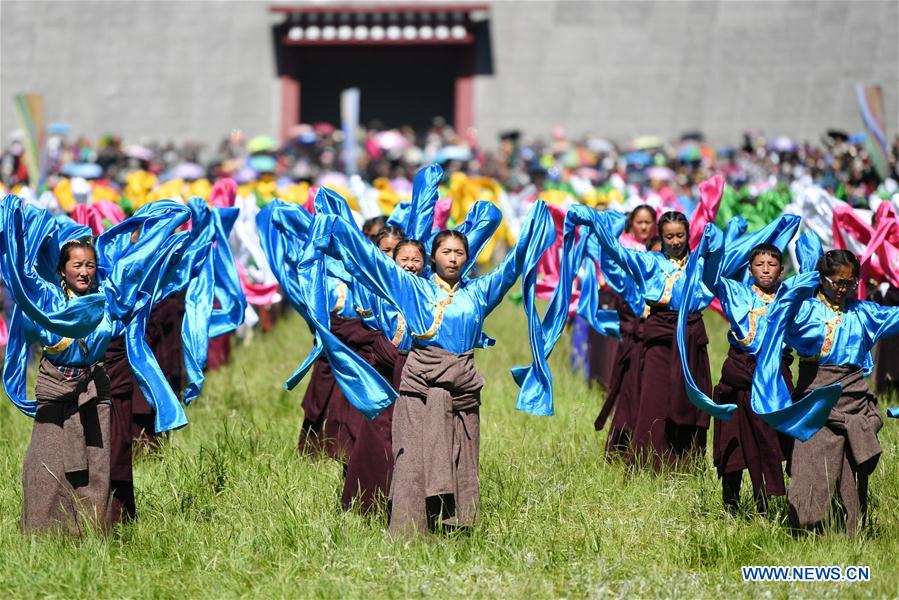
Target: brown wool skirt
(669, 430)
(436, 442)
(746, 441)
(65, 474)
(841, 455)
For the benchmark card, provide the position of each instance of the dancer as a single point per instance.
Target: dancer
(436, 419)
(668, 429)
(369, 466)
(833, 333)
(623, 384)
(66, 471)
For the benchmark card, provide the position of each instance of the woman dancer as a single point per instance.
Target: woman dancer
(369, 466)
(668, 429)
(623, 384)
(66, 471)
(436, 418)
(833, 333)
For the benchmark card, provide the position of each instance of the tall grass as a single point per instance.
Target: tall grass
(226, 508)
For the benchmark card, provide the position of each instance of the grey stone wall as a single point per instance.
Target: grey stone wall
(194, 70)
(638, 68)
(165, 70)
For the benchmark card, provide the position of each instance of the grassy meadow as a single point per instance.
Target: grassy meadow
(226, 508)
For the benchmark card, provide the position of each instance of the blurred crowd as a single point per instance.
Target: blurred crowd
(564, 168)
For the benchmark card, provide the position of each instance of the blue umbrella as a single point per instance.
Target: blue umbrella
(638, 159)
(85, 170)
(452, 153)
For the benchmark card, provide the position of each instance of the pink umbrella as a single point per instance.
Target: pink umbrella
(223, 193)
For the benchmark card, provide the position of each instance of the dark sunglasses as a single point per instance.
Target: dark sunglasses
(845, 285)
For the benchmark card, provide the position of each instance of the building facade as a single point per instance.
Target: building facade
(195, 70)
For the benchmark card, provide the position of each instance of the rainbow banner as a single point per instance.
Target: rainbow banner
(870, 104)
(30, 113)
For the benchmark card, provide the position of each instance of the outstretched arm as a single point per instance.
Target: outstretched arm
(537, 234)
(371, 267)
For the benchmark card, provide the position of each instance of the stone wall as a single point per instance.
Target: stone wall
(194, 70)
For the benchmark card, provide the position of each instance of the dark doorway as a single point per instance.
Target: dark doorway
(401, 85)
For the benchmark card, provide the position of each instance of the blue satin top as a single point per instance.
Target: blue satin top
(659, 279)
(827, 335)
(436, 314)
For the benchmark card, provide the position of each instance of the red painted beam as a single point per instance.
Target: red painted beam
(290, 104)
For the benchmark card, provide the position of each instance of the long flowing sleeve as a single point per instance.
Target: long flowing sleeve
(363, 387)
(370, 267)
(770, 397)
(15, 364)
(637, 265)
(537, 234)
(710, 243)
(808, 251)
(480, 224)
(157, 252)
(737, 250)
(420, 222)
(535, 380)
(41, 301)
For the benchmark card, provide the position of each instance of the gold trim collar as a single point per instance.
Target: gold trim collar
(765, 296)
(680, 263)
(833, 307)
(450, 290)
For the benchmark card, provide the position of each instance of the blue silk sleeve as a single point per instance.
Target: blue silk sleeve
(491, 288)
(69, 230)
(400, 215)
(808, 251)
(363, 387)
(770, 397)
(217, 280)
(535, 380)
(141, 268)
(420, 223)
(15, 364)
(480, 224)
(42, 243)
(41, 301)
(132, 255)
(371, 267)
(637, 265)
(603, 322)
(737, 249)
(710, 243)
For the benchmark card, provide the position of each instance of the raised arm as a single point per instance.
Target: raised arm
(537, 234)
(481, 222)
(640, 266)
(38, 299)
(370, 267)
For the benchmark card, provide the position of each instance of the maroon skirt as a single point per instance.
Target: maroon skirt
(886, 352)
(603, 349)
(669, 430)
(369, 466)
(623, 392)
(746, 441)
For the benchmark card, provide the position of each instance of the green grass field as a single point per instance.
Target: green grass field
(227, 508)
